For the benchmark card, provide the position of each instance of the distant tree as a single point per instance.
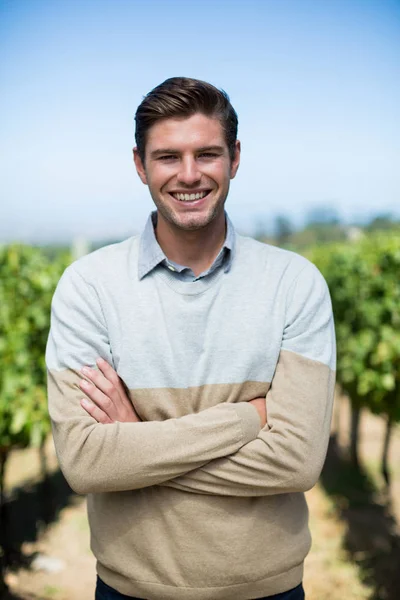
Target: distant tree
(283, 230)
(383, 222)
(323, 225)
(323, 215)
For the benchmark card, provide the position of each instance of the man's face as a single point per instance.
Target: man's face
(188, 170)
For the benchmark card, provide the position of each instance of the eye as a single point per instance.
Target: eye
(167, 157)
(208, 155)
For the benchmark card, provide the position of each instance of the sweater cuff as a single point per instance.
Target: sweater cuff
(250, 421)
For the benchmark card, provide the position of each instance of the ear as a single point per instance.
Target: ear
(236, 160)
(141, 171)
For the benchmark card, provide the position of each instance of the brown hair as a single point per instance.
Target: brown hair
(183, 97)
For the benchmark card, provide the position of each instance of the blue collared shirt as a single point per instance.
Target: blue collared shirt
(151, 255)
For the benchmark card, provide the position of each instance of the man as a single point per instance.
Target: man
(194, 493)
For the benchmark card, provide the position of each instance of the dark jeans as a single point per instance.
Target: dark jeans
(105, 592)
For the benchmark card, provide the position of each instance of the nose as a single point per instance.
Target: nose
(189, 173)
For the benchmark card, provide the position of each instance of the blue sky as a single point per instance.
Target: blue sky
(316, 85)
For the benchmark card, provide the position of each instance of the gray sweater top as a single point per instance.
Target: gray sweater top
(196, 502)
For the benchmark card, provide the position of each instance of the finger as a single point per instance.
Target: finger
(101, 400)
(108, 372)
(112, 375)
(101, 382)
(95, 412)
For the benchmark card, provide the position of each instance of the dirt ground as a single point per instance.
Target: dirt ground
(356, 541)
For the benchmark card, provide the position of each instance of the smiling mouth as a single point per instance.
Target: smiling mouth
(190, 197)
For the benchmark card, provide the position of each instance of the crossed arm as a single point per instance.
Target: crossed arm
(108, 402)
(287, 457)
(218, 451)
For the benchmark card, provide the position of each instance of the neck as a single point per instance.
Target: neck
(196, 249)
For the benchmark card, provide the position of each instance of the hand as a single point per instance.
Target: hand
(261, 406)
(108, 401)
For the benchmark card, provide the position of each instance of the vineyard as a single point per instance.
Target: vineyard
(27, 282)
(365, 291)
(363, 281)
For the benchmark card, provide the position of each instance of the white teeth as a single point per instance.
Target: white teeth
(190, 197)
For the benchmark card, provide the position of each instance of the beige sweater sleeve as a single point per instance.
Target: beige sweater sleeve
(288, 454)
(123, 456)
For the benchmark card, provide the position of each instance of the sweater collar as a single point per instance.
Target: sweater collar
(151, 254)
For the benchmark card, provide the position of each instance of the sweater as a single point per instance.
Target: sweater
(196, 502)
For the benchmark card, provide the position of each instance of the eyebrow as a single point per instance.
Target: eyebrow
(162, 151)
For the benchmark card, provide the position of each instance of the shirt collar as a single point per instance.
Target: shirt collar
(151, 254)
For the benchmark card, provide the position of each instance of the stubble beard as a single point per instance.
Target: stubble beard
(193, 222)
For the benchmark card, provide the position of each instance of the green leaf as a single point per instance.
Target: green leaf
(388, 382)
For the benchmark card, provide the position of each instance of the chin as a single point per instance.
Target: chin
(192, 226)
(193, 223)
